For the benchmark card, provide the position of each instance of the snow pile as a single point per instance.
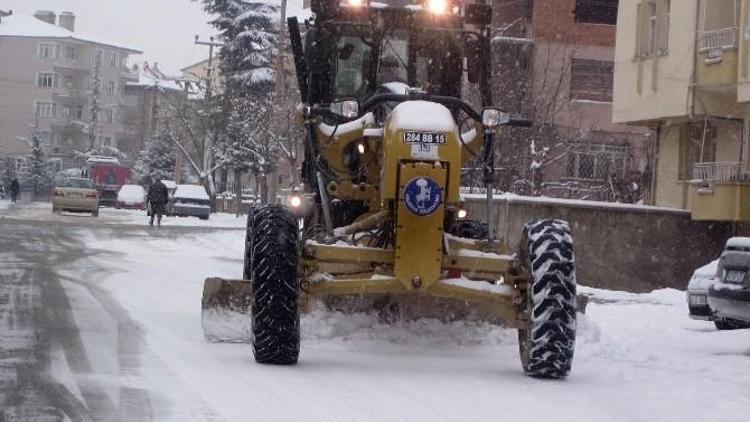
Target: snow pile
(191, 192)
(422, 115)
(367, 332)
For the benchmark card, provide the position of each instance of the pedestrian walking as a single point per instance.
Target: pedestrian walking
(14, 188)
(158, 196)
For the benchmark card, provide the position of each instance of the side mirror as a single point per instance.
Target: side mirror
(473, 60)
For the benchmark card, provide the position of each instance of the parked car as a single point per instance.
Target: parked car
(729, 297)
(75, 194)
(191, 201)
(131, 197)
(171, 187)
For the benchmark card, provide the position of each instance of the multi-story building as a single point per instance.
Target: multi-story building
(47, 73)
(683, 68)
(553, 61)
(151, 100)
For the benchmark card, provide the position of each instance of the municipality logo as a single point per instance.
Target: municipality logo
(422, 196)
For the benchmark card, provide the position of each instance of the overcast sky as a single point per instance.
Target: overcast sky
(164, 29)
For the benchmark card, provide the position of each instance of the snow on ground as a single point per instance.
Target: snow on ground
(42, 211)
(638, 357)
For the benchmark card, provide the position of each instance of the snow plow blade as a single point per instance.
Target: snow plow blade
(226, 310)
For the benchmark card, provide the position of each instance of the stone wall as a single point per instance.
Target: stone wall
(620, 247)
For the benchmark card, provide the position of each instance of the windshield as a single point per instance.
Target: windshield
(76, 183)
(431, 61)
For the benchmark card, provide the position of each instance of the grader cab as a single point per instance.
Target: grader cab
(387, 134)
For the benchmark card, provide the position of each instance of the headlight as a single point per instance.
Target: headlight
(494, 117)
(347, 108)
(361, 147)
(437, 7)
(462, 213)
(295, 201)
(354, 3)
(697, 300)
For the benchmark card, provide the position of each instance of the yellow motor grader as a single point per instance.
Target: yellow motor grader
(387, 134)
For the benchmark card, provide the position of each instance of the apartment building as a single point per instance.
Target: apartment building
(682, 68)
(553, 60)
(47, 69)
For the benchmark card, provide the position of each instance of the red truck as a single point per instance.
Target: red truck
(108, 176)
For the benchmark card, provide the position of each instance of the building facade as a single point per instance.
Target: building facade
(47, 74)
(553, 61)
(682, 69)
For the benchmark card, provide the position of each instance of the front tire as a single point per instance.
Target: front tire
(272, 264)
(547, 345)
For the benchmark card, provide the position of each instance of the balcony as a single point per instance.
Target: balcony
(720, 192)
(129, 74)
(721, 39)
(720, 172)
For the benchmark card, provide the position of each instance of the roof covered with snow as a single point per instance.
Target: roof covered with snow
(18, 25)
(150, 76)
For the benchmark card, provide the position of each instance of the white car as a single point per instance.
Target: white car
(191, 201)
(131, 196)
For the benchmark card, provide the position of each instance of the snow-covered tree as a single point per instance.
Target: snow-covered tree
(36, 160)
(157, 161)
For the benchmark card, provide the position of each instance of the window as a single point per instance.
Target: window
(596, 11)
(111, 87)
(108, 116)
(48, 51)
(71, 53)
(596, 161)
(45, 109)
(105, 141)
(46, 80)
(79, 112)
(653, 27)
(44, 137)
(97, 57)
(591, 80)
(112, 59)
(68, 81)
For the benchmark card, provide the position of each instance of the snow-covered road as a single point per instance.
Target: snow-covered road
(638, 356)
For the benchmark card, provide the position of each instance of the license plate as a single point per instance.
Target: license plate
(734, 276)
(698, 300)
(75, 194)
(414, 137)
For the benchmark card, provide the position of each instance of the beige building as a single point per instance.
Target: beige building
(46, 73)
(681, 67)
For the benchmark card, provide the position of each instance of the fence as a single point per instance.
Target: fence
(720, 39)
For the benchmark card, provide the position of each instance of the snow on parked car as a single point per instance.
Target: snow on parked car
(131, 196)
(730, 296)
(191, 201)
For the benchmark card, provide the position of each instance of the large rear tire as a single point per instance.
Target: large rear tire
(547, 345)
(272, 264)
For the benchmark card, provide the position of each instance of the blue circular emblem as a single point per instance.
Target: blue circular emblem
(422, 196)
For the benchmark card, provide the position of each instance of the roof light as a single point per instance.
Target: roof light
(354, 3)
(437, 7)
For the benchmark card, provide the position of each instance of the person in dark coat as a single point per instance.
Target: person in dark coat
(158, 196)
(14, 189)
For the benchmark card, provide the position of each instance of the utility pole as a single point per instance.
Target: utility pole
(209, 81)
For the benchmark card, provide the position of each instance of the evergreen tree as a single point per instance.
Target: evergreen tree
(37, 164)
(250, 35)
(156, 162)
